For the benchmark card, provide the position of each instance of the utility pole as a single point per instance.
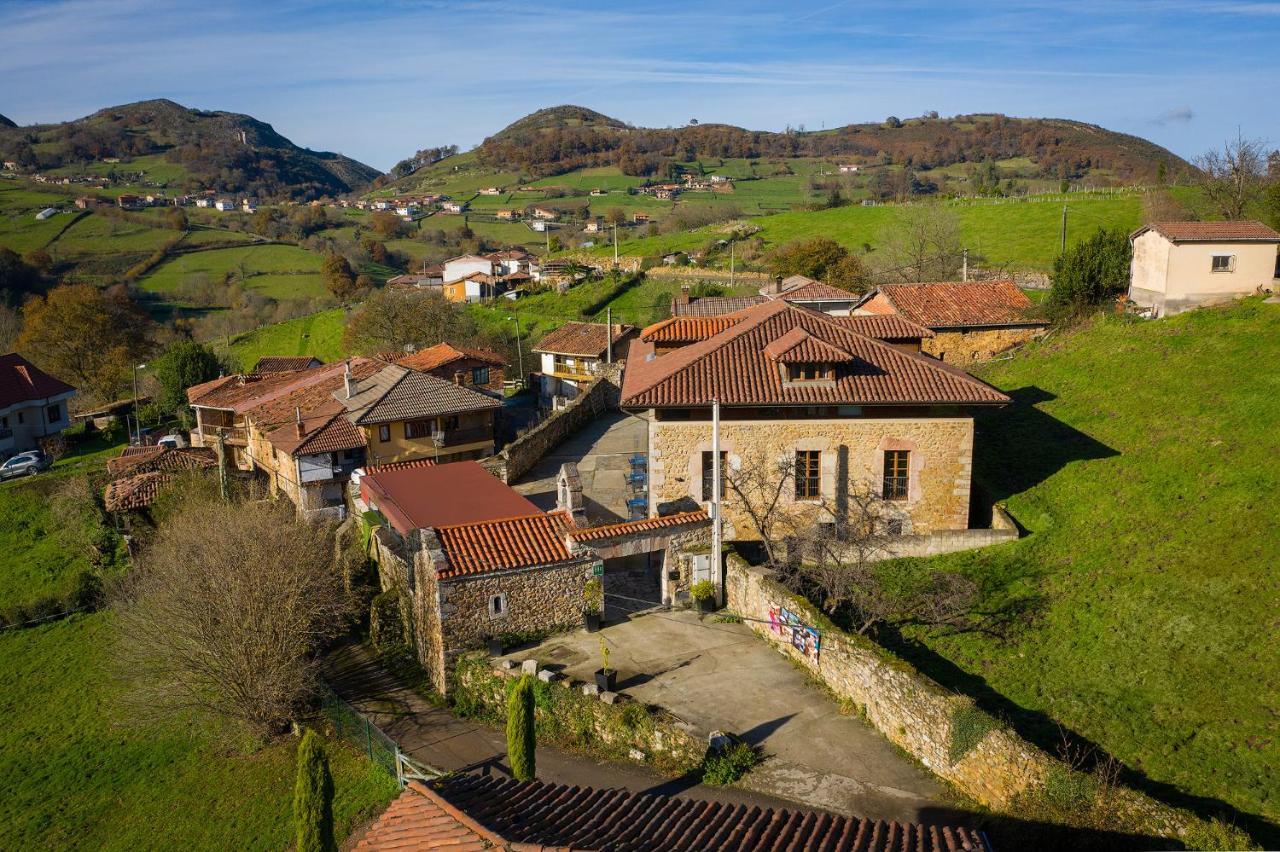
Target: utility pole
(519, 349)
(964, 270)
(221, 449)
(731, 261)
(615, 245)
(137, 422)
(716, 473)
(608, 334)
(1063, 248)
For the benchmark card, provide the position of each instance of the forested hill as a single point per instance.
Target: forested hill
(224, 151)
(561, 139)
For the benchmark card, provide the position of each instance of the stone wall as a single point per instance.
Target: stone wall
(1000, 770)
(952, 541)
(518, 457)
(941, 463)
(968, 347)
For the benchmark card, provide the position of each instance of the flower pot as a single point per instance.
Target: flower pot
(591, 620)
(495, 647)
(607, 680)
(705, 604)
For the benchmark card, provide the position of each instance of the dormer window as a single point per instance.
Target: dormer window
(811, 372)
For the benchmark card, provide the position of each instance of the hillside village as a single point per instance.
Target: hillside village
(791, 505)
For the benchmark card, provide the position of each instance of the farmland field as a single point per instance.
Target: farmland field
(318, 334)
(277, 271)
(1140, 458)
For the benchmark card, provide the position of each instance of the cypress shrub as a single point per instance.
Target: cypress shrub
(313, 797)
(521, 739)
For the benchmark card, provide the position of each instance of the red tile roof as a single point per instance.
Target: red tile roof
(733, 367)
(506, 814)
(586, 339)
(714, 306)
(798, 346)
(665, 522)
(682, 330)
(21, 381)
(135, 492)
(136, 460)
(324, 429)
(400, 465)
(436, 356)
(958, 304)
(816, 291)
(284, 363)
(500, 545)
(414, 497)
(1209, 232)
(885, 327)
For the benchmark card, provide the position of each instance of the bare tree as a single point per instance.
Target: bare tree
(1234, 177)
(922, 243)
(759, 485)
(227, 611)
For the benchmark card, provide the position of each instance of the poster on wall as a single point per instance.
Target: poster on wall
(802, 637)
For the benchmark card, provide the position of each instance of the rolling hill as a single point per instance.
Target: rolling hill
(224, 151)
(565, 138)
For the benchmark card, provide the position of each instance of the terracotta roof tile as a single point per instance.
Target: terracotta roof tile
(958, 304)
(408, 464)
(436, 356)
(136, 460)
(816, 291)
(507, 814)
(798, 346)
(665, 522)
(1191, 232)
(587, 339)
(399, 393)
(284, 363)
(733, 367)
(22, 381)
(885, 327)
(324, 429)
(522, 542)
(713, 306)
(135, 492)
(414, 496)
(682, 330)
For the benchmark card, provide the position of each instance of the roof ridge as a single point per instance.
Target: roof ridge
(490, 521)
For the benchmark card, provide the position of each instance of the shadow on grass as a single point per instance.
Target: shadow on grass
(1018, 447)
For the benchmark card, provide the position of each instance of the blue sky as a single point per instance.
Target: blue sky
(378, 80)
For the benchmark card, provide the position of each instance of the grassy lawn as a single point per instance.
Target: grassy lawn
(277, 271)
(1140, 457)
(101, 235)
(78, 773)
(317, 334)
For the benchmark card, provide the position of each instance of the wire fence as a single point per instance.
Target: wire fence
(384, 752)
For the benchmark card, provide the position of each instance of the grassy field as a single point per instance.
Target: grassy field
(277, 271)
(19, 228)
(317, 334)
(1140, 458)
(1024, 235)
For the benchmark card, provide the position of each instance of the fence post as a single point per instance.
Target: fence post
(368, 740)
(399, 768)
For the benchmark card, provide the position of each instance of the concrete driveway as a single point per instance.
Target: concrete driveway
(719, 676)
(602, 449)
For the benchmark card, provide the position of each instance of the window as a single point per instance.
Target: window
(897, 467)
(54, 413)
(480, 376)
(384, 433)
(497, 606)
(808, 474)
(450, 422)
(810, 372)
(708, 472)
(414, 429)
(22, 418)
(1223, 263)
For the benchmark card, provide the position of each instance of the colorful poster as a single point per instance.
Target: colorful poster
(802, 637)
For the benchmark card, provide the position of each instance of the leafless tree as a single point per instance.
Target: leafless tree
(1235, 177)
(922, 243)
(758, 486)
(227, 611)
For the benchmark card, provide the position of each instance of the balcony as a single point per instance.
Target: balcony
(458, 437)
(235, 435)
(576, 372)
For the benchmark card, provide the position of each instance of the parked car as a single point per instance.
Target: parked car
(24, 464)
(172, 441)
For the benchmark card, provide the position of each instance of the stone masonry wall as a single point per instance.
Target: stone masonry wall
(917, 714)
(968, 347)
(538, 601)
(941, 462)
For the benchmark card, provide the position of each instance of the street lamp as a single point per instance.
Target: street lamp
(519, 349)
(137, 422)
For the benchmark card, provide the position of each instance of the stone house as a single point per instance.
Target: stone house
(804, 291)
(573, 355)
(848, 409)
(1181, 265)
(971, 320)
(478, 369)
(33, 405)
(675, 332)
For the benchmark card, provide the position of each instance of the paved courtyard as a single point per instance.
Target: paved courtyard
(602, 450)
(721, 677)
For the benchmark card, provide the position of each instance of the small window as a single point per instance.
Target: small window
(808, 474)
(415, 429)
(897, 468)
(384, 433)
(54, 413)
(497, 606)
(22, 418)
(480, 376)
(1224, 263)
(810, 372)
(708, 473)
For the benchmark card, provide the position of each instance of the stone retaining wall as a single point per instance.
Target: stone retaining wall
(999, 769)
(952, 541)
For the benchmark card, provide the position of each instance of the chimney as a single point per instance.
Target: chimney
(346, 380)
(683, 298)
(297, 421)
(457, 377)
(777, 284)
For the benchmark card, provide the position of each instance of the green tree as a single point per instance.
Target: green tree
(183, 364)
(1271, 205)
(1089, 273)
(822, 259)
(313, 797)
(339, 277)
(521, 739)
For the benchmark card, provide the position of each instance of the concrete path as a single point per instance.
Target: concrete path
(602, 449)
(721, 677)
(431, 735)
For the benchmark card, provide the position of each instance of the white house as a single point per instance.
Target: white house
(204, 202)
(468, 264)
(248, 205)
(573, 355)
(1177, 266)
(33, 404)
(454, 207)
(225, 205)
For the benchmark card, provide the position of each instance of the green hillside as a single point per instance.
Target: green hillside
(1140, 457)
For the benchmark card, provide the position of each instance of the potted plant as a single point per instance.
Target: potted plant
(703, 593)
(593, 603)
(606, 678)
